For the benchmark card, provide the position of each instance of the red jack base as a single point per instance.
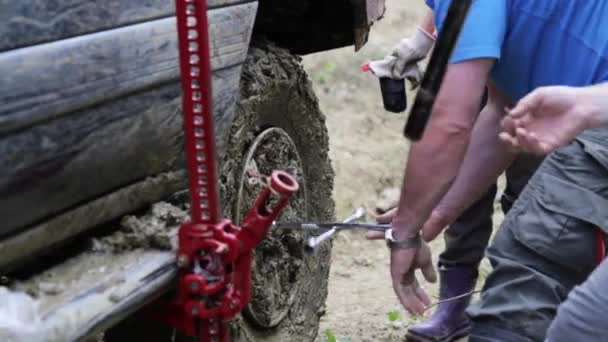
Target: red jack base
(215, 263)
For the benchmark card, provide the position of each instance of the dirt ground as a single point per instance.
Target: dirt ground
(368, 153)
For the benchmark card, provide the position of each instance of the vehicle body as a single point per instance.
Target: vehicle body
(90, 120)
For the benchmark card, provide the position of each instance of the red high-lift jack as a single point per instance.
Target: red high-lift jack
(214, 255)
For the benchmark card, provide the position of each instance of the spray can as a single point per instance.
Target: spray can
(393, 92)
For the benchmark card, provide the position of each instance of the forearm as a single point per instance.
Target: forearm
(486, 158)
(434, 161)
(432, 165)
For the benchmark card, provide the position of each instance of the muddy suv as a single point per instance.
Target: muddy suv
(92, 177)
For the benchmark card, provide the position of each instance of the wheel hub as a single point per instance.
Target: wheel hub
(276, 279)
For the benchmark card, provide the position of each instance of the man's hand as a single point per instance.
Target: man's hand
(547, 119)
(404, 263)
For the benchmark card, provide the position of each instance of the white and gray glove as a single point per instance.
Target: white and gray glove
(403, 61)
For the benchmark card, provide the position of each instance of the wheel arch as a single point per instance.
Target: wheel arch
(307, 26)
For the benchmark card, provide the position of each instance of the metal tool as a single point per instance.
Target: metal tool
(336, 225)
(315, 241)
(332, 228)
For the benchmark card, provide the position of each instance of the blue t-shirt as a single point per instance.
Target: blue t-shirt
(536, 42)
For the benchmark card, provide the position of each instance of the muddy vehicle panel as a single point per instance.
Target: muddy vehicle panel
(91, 131)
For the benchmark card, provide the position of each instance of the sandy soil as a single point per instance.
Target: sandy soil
(368, 152)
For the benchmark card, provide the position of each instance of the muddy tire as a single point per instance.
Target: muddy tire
(278, 125)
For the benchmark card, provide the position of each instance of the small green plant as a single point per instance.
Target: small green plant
(329, 336)
(327, 73)
(394, 316)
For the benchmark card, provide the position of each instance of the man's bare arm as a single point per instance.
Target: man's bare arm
(433, 163)
(486, 158)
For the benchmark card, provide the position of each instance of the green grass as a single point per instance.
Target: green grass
(327, 72)
(394, 316)
(329, 336)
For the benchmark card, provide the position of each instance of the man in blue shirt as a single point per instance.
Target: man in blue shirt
(546, 246)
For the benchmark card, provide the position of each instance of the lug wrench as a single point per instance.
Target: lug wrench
(315, 241)
(331, 229)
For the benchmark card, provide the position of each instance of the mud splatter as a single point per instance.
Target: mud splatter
(154, 230)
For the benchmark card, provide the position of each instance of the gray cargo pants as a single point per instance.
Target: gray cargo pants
(467, 238)
(583, 316)
(546, 245)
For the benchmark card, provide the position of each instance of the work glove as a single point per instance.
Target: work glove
(403, 61)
